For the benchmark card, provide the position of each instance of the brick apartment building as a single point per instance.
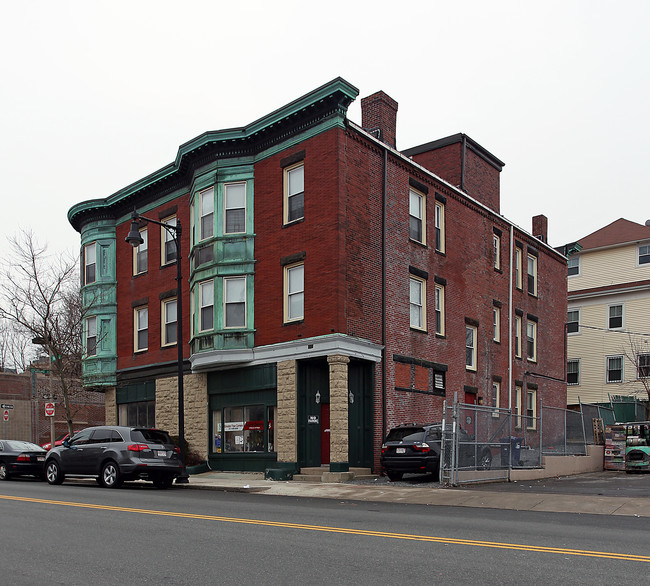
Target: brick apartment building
(332, 286)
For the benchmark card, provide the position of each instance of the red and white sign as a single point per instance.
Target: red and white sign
(49, 409)
(5, 415)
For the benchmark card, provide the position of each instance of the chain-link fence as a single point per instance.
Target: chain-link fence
(563, 432)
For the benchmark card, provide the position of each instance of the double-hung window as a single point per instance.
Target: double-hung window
(141, 329)
(140, 254)
(496, 251)
(206, 305)
(516, 411)
(417, 298)
(234, 301)
(573, 266)
(643, 370)
(615, 317)
(470, 347)
(496, 323)
(496, 391)
(531, 409)
(440, 309)
(614, 369)
(517, 336)
(206, 213)
(90, 263)
(170, 317)
(294, 193)
(294, 292)
(531, 338)
(234, 203)
(91, 336)
(573, 321)
(573, 372)
(439, 225)
(518, 268)
(168, 245)
(417, 216)
(532, 274)
(644, 254)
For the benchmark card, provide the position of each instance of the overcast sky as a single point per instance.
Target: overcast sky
(96, 95)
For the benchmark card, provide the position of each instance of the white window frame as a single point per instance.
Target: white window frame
(518, 340)
(532, 263)
(165, 238)
(91, 334)
(439, 308)
(531, 325)
(517, 406)
(573, 263)
(139, 326)
(141, 254)
(519, 255)
(227, 282)
(418, 212)
(573, 361)
(439, 224)
(206, 300)
(206, 211)
(496, 323)
(418, 302)
(645, 367)
(609, 316)
(230, 208)
(531, 406)
(643, 251)
(496, 250)
(165, 305)
(288, 172)
(87, 248)
(472, 347)
(294, 290)
(496, 397)
(608, 369)
(568, 321)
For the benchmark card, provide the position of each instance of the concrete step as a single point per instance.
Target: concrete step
(323, 474)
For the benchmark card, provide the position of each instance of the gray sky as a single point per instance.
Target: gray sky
(96, 95)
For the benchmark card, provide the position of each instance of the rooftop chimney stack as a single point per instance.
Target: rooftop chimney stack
(379, 117)
(540, 228)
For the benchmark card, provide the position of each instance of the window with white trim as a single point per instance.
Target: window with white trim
(417, 216)
(614, 369)
(531, 339)
(206, 213)
(643, 370)
(573, 372)
(90, 263)
(518, 267)
(532, 274)
(167, 244)
(496, 250)
(573, 321)
(141, 328)
(470, 347)
(294, 292)
(170, 317)
(644, 254)
(531, 409)
(140, 254)
(496, 323)
(206, 306)
(439, 223)
(573, 266)
(294, 193)
(234, 203)
(516, 409)
(496, 392)
(615, 317)
(417, 303)
(91, 336)
(234, 302)
(440, 309)
(517, 336)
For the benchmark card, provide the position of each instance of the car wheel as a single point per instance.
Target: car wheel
(53, 473)
(163, 481)
(110, 476)
(4, 473)
(485, 462)
(394, 476)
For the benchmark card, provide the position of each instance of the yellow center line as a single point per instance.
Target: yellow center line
(425, 538)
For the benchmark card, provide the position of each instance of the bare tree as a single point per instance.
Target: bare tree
(16, 349)
(39, 295)
(637, 351)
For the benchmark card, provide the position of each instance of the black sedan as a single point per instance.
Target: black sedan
(19, 458)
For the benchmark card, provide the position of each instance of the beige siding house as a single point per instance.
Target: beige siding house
(608, 320)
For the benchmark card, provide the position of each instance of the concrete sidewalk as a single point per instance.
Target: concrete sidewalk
(425, 494)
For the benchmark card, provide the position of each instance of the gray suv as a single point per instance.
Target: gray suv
(113, 454)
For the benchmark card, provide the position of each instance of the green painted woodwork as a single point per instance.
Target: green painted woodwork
(313, 377)
(136, 392)
(253, 378)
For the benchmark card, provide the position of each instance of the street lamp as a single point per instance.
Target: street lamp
(134, 239)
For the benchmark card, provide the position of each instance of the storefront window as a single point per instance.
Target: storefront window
(242, 429)
(141, 413)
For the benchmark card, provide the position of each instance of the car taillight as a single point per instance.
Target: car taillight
(177, 450)
(384, 448)
(421, 447)
(138, 448)
(22, 458)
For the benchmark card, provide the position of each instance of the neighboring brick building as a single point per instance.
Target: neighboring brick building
(608, 314)
(333, 287)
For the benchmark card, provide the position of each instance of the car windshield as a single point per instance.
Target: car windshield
(152, 436)
(20, 446)
(406, 434)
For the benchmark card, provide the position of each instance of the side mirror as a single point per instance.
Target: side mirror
(66, 443)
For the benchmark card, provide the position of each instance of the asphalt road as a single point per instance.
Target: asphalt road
(83, 534)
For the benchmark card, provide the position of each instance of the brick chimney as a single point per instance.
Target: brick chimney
(379, 117)
(540, 227)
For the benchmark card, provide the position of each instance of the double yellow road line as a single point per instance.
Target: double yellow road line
(325, 529)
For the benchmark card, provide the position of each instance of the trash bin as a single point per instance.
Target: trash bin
(510, 451)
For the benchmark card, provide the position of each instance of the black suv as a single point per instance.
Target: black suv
(416, 448)
(113, 454)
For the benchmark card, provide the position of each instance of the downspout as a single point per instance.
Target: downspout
(510, 310)
(462, 164)
(384, 197)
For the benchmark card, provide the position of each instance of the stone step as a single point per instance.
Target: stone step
(323, 474)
